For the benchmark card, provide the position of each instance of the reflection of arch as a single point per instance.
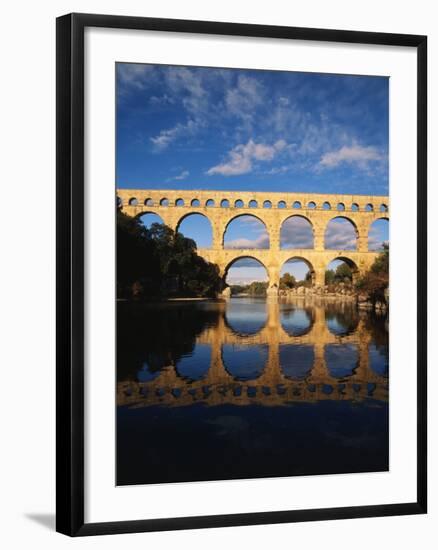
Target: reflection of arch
(234, 218)
(192, 215)
(244, 362)
(341, 359)
(196, 365)
(308, 226)
(296, 321)
(252, 322)
(300, 258)
(341, 321)
(296, 361)
(328, 246)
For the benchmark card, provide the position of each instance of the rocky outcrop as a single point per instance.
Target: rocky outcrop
(341, 291)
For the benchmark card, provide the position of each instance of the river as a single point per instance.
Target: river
(249, 388)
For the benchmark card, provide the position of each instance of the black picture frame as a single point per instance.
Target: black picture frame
(70, 273)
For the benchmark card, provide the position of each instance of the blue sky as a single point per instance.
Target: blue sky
(192, 127)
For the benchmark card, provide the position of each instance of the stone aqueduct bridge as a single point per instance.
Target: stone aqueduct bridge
(272, 387)
(272, 209)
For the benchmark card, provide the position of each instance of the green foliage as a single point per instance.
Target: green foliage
(329, 277)
(375, 283)
(343, 274)
(157, 261)
(257, 288)
(287, 281)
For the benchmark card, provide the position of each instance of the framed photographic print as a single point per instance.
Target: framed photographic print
(241, 266)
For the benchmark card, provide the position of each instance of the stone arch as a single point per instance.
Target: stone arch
(308, 240)
(179, 202)
(195, 203)
(281, 204)
(253, 204)
(164, 201)
(326, 206)
(311, 205)
(149, 213)
(230, 264)
(383, 207)
(355, 207)
(209, 203)
(351, 264)
(133, 201)
(340, 207)
(329, 245)
(236, 217)
(239, 203)
(149, 202)
(119, 202)
(296, 204)
(225, 203)
(306, 261)
(369, 207)
(209, 238)
(267, 204)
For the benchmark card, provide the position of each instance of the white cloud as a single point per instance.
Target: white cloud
(245, 96)
(182, 176)
(243, 243)
(355, 154)
(296, 232)
(240, 159)
(340, 235)
(134, 76)
(165, 137)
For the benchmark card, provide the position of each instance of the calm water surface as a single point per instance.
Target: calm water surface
(249, 388)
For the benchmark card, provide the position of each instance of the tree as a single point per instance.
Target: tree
(158, 261)
(375, 282)
(343, 273)
(287, 281)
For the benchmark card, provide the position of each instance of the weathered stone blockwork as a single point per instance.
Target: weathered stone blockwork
(221, 207)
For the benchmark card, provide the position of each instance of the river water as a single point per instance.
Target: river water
(249, 388)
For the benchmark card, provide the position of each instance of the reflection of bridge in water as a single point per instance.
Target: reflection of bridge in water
(273, 386)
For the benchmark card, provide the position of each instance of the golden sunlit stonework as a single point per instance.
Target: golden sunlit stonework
(272, 387)
(272, 209)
